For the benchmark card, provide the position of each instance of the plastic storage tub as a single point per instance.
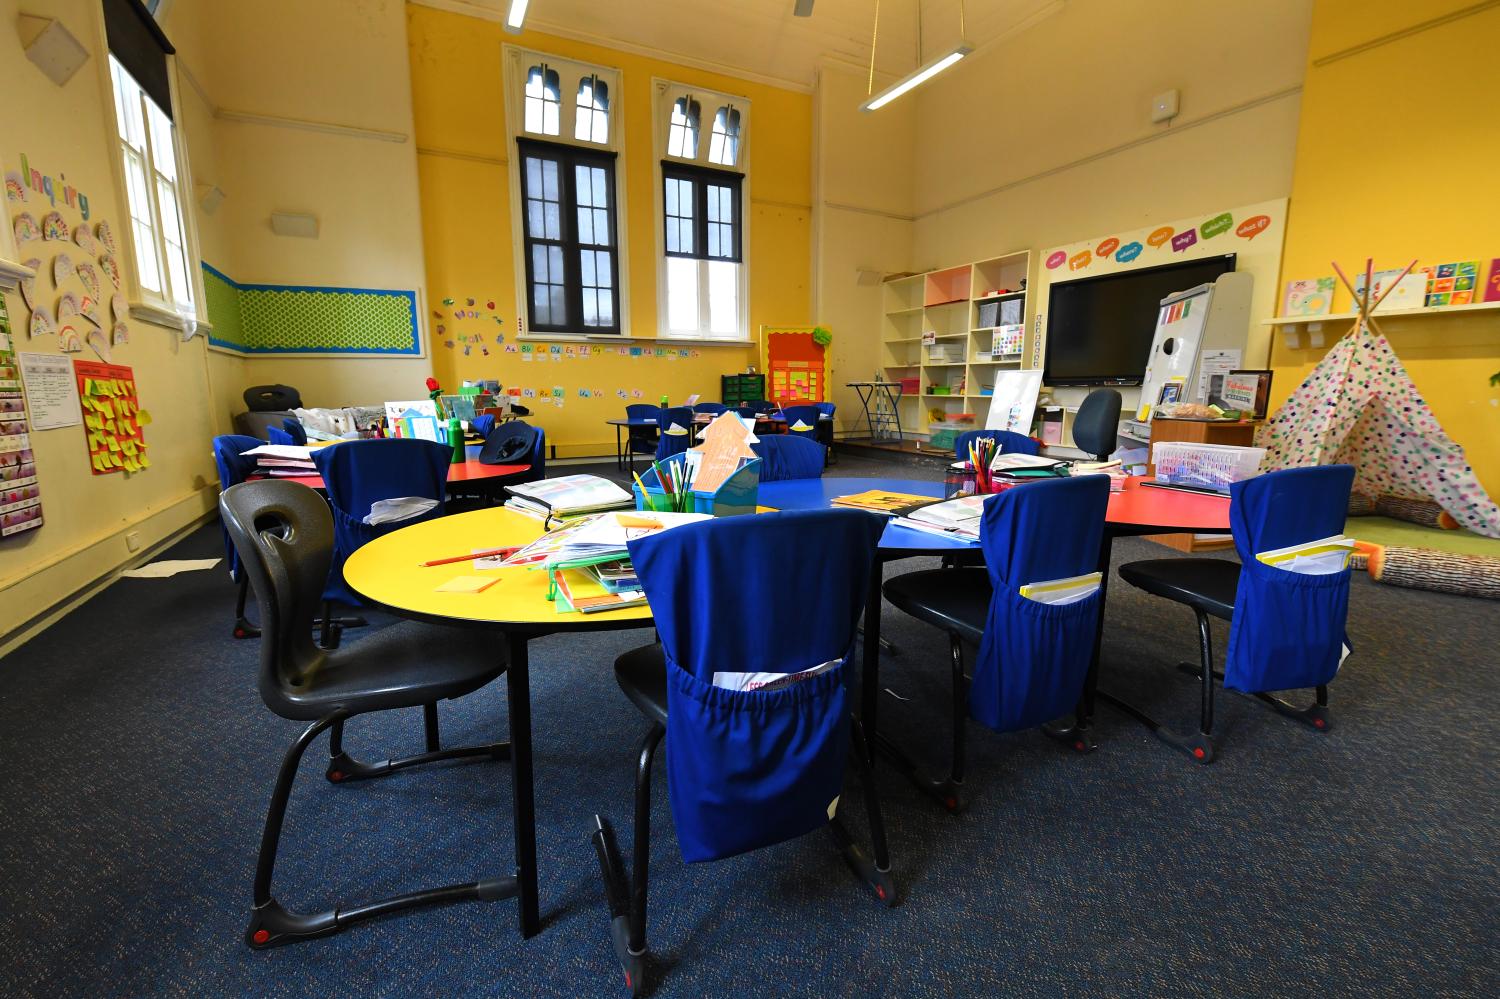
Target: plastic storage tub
(1205, 466)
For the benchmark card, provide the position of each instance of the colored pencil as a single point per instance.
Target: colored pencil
(492, 553)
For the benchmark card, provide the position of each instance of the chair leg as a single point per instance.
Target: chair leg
(627, 894)
(343, 768)
(946, 791)
(271, 924)
(1315, 716)
(332, 628)
(876, 871)
(242, 626)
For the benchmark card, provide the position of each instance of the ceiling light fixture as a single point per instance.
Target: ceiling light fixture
(803, 8)
(922, 73)
(516, 16)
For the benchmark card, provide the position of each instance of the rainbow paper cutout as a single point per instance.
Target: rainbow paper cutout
(53, 226)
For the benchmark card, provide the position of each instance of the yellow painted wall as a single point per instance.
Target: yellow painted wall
(1395, 159)
(464, 159)
(69, 130)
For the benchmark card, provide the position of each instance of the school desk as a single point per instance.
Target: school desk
(471, 470)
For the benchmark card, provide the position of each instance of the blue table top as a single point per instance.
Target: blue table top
(817, 494)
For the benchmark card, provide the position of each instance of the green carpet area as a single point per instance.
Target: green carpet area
(1385, 531)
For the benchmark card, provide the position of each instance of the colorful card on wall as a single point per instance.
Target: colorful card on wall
(1492, 283)
(106, 235)
(62, 269)
(85, 240)
(1452, 284)
(42, 322)
(112, 417)
(15, 186)
(53, 226)
(88, 275)
(28, 285)
(1311, 297)
(1408, 292)
(25, 227)
(20, 494)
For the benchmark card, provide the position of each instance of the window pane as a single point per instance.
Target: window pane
(723, 298)
(543, 100)
(162, 156)
(682, 131)
(585, 225)
(724, 142)
(682, 294)
(145, 257)
(679, 199)
(549, 180)
(592, 122)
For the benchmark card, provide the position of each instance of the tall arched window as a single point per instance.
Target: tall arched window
(543, 100)
(724, 140)
(682, 133)
(592, 121)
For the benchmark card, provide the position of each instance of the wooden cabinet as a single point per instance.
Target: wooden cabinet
(1164, 430)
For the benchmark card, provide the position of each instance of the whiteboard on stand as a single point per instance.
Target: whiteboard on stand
(1014, 402)
(1174, 348)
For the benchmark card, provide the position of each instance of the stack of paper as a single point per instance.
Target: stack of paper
(568, 496)
(958, 518)
(283, 460)
(1063, 591)
(881, 501)
(1313, 558)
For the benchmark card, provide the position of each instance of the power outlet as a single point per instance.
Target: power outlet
(133, 541)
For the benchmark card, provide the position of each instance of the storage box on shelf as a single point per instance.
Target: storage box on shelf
(1167, 434)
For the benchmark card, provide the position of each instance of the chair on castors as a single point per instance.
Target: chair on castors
(675, 426)
(358, 474)
(640, 439)
(1096, 425)
(755, 751)
(272, 398)
(296, 430)
(284, 534)
(1033, 656)
(711, 408)
(516, 443)
(1007, 441)
(784, 456)
(1286, 629)
(235, 468)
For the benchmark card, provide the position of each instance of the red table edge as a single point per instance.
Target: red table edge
(472, 471)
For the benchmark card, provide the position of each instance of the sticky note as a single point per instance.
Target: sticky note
(468, 584)
(115, 460)
(114, 445)
(144, 461)
(143, 418)
(131, 466)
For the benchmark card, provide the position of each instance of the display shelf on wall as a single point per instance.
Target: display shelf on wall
(943, 305)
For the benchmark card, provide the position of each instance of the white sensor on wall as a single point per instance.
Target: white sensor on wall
(1164, 106)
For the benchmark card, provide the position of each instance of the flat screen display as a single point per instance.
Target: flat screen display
(1099, 329)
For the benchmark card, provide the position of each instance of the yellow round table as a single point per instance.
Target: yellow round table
(389, 571)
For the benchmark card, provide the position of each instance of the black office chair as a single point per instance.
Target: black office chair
(283, 533)
(1096, 426)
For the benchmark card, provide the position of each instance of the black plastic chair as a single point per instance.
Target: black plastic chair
(283, 533)
(1096, 426)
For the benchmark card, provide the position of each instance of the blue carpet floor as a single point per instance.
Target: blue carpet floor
(139, 759)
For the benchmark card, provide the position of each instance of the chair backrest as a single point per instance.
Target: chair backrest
(233, 469)
(358, 473)
(711, 408)
(1034, 656)
(1096, 425)
(807, 416)
(283, 533)
(276, 435)
(296, 430)
(826, 408)
(756, 760)
(642, 411)
(668, 443)
(1008, 441)
(761, 405)
(788, 456)
(271, 398)
(483, 424)
(1288, 628)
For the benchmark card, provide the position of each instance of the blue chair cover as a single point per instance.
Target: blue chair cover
(670, 444)
(641, 440)
(751, 768)
(483, 424)
(826, 408)
(785, 456)
(233, 468)
(1033, 657)
(1009, 441)
(802, 414)
(711, 408)
(276, 435)
(1288, 628)
(356, 474)
(295, 430)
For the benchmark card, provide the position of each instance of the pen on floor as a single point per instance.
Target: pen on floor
(492, 553)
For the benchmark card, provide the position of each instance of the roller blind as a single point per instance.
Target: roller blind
(142, 48)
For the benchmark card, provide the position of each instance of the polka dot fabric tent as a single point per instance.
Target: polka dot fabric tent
(1359, 406)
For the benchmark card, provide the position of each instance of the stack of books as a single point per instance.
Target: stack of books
(956, 518)
(282, 460)
(882, 501)
(567, 497)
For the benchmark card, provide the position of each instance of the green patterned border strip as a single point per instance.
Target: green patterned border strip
(291, 319)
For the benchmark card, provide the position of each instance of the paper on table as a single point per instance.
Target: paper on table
(170, 567)
(282, 451)
(468, 584)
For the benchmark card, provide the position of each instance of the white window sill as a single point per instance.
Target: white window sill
(573, 338)
(13, 273)
(705, 341)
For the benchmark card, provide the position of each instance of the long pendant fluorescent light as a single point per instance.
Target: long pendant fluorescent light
(917, 78)
(516, 16)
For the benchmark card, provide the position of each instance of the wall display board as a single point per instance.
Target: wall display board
(796, 365)
(20, 493)
(112, 417)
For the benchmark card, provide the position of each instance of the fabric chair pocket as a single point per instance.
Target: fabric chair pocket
(1033, 659)
(1288, 629)
(750, 768)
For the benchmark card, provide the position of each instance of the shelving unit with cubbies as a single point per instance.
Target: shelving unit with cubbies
(942, 335)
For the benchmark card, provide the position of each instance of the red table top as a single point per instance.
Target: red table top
(470, 471)
(1141, 506)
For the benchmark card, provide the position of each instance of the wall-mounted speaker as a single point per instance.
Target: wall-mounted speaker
(51, 46)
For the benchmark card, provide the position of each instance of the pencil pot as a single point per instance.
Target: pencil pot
(961, 481)
(738, 494)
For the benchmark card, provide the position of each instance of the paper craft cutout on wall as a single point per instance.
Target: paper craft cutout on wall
(20, 494)
(280, 319)
(118, 307)
(53, 226)
(42, 323)
(15, 187)
(120, 334)
(28, 285)
(25, 227)
(106, 234)
(89, 309)
(112, 417)
(62, 269)
(69, 341)
(99, 343)
(108, 265)
(85, 240)
(88, 275)
(67, 307)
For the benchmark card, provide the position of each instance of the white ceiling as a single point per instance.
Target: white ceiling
(761, 39)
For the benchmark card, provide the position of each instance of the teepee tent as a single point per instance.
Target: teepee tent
(1360, 407)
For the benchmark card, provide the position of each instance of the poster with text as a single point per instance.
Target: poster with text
(112, 417)
(20, 493)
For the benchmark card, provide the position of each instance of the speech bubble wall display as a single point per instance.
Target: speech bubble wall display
(1107, 247)
(1159, 237)
(1252, 227)
(1056, 260)
(1128, 252)
(1183, 240)
(1216, 226)
(1080, 260)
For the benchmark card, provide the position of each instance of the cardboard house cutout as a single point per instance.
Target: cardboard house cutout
(1360, 407)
